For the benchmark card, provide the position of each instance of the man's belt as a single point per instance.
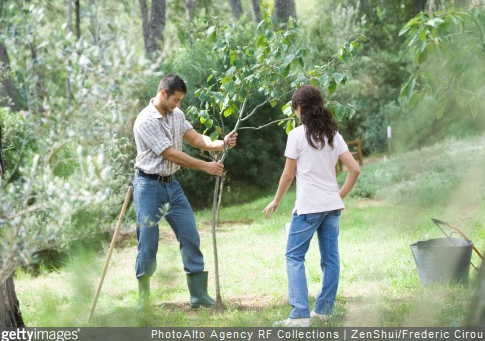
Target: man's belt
(156, 177)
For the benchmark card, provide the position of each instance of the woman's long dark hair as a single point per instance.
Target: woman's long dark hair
(314, 116)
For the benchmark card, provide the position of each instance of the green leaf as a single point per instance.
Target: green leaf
(422, 45)
(423, 35)
(441, 109)
(404, 30)
(210, 77)
(323, 80)
(347, 58)
(228, 112)
(285, 70)
(231, 71)
(289, 126)
(218, 96)
(288, 59)
(268, 34)
(239, 63)
(416, 98)
(230, 87)
(214, 135)
(332, 86)
(339, 112)
(208, 123)
(261, 41)
(287, 109)
(338, 77)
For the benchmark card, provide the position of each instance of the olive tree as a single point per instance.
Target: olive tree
(449, 52)
(58, 160)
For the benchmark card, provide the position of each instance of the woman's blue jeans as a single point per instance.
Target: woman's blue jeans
(150, 196)
(326, 225)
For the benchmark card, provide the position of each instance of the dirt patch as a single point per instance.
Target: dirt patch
(240, 302)
(229, 223)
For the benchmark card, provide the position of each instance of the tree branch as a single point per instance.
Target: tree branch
(265, 125)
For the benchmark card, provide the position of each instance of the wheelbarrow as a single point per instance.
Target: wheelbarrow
(444, 259)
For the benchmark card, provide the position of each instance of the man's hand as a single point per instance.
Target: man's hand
(230, 139)
(214, 168)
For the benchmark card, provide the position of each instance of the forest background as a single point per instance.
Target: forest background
(76, 74)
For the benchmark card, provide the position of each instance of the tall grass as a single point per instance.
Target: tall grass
(391, 208)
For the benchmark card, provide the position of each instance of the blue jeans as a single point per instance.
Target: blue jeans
(303, 226)
(150, 196)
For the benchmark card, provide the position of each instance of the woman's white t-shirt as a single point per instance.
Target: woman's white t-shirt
(316, 180)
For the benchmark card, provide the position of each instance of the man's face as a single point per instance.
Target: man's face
(169, 103)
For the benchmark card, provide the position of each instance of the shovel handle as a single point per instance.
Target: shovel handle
(440, 222)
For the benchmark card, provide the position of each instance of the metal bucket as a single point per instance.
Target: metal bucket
(442, 259)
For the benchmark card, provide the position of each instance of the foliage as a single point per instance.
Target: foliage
(272, 67)
(66, 153)
(449, 49)
(375, 77)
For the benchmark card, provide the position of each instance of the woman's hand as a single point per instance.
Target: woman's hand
(271, 208)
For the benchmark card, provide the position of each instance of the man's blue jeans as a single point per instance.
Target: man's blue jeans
(326, 225)
(150, 196)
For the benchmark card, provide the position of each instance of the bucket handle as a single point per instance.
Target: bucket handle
(440, 222)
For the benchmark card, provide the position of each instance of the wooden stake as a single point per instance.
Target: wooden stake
(112, 246)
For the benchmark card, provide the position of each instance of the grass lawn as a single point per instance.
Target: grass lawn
(379, 284)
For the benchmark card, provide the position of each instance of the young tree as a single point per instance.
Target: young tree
(273, 67)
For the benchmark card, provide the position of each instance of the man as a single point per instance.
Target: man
(159, 130)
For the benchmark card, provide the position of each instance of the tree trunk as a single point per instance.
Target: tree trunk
(189, 12)
(283, 9)
(144, 20)
(2, 165)
(256, 10)
(78, 18)
(419, 6)
(9, 96)
(156, 26)
(69, 16)
(10, 315)
(236, 8)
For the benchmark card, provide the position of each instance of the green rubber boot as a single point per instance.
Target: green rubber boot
(199, 297)
(143, 293)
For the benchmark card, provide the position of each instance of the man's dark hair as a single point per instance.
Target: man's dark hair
(172, 83)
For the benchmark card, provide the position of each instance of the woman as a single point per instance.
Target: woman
(312, 152)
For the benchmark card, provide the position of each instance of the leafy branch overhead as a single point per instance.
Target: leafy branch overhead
(449, 51)
(274, 66)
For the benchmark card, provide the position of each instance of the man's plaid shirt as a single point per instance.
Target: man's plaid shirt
(153, 134)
